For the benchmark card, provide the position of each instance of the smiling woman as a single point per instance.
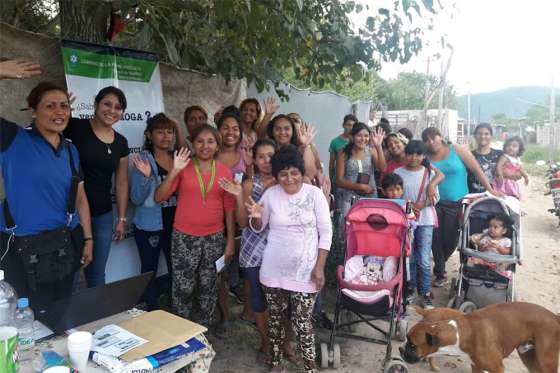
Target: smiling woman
(39, 168)
(103, 152)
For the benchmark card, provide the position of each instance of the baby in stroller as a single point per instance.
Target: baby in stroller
(494, 239)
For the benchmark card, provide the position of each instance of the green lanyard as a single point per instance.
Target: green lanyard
(203, 190)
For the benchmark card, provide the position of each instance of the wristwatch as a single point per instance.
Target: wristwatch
(121, 219)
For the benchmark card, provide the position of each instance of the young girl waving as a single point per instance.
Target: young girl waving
(199, 234)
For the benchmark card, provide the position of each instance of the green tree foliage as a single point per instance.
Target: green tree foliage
(260, 39)
(408, 92)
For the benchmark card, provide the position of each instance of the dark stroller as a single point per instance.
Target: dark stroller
(479, 285)
(374, 227)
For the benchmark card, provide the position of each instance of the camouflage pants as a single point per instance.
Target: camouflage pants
(302, 308)
(194, 274)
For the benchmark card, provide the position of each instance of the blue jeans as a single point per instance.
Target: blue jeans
(150, 244)
(102, 232)
(420, 258)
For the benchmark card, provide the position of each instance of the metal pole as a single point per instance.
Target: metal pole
(469, 114)
(552, 135)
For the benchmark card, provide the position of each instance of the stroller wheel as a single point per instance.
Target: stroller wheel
(336, 356)
(467, 307)
(452, 302)
(402, 327)
(453, 288)
(324, 356)
(395, 365)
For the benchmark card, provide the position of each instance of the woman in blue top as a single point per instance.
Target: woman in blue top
(153, 222)
(453, 161)
(35, 164)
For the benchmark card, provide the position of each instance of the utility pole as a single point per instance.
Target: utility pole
(553, 134)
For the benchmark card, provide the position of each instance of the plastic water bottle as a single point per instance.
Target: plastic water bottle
(24, 323)
(8, 329)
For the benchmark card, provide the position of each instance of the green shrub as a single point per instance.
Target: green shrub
(535, 153)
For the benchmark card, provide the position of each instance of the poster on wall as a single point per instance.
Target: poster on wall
(89, 68)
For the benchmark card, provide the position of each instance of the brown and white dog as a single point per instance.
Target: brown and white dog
(489, 335)
(433, 315)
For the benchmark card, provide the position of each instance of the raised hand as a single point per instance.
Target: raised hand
(230, 186)
(271, 106)
(377, 138)
(306, 134)
(247, 156)
(181, 159)
(254, 209)
(142, 165)
(17, 69)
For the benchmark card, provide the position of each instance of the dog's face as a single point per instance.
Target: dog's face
(425, 338)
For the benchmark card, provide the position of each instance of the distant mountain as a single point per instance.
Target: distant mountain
(510, 101)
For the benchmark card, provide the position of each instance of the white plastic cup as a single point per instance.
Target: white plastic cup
(57, 369)
(79, 345)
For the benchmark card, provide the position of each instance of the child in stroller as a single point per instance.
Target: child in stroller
(494, 239)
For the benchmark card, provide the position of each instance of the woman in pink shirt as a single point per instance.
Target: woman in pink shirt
(199, 232)
(298, 242)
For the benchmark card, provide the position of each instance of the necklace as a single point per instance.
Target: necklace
(108, 148)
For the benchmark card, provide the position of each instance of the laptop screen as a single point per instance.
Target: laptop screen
(92, 304)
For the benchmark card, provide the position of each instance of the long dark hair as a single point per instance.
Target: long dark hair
(158, 121)
(270, 129)
(260, 143)
(358, 126)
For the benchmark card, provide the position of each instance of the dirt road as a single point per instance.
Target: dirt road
(537, 281)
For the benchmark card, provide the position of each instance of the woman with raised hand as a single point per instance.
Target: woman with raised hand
(356, 165)
(283, 131)
(103, 153)
(299, 239)
(41, 171)
(453, 161)
(200, 236)
(153, 222)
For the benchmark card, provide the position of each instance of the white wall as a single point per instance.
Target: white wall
(325, 110)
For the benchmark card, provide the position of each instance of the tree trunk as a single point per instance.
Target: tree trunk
(84, 20)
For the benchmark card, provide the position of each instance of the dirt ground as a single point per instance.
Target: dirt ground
(536, 282)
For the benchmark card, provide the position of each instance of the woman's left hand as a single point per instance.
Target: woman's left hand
(229, 252)
(230, 186)
(431, 195)
(318, 277)
(119, 230)
(306, 134)
(247, 156)
(87, 255)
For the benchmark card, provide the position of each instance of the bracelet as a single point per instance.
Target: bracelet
(122, 219)
(88, 239)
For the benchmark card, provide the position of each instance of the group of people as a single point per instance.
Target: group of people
(250, 188)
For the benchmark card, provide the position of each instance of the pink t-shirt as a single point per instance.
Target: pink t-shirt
(299, 224)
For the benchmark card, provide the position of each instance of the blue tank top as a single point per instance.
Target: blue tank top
(454, 186)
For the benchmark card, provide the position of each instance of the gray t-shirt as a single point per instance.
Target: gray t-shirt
(412, 180)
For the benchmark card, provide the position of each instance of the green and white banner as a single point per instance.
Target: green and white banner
(88, 69)
(91, 67)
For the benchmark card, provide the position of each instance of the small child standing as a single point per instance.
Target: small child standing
(509, 169)
(494, 239)
(420, 186)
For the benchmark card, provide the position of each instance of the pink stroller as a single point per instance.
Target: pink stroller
(375, 228)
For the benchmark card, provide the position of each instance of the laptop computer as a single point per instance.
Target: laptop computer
(92, 304)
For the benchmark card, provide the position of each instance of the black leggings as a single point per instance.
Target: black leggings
(446, 234)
